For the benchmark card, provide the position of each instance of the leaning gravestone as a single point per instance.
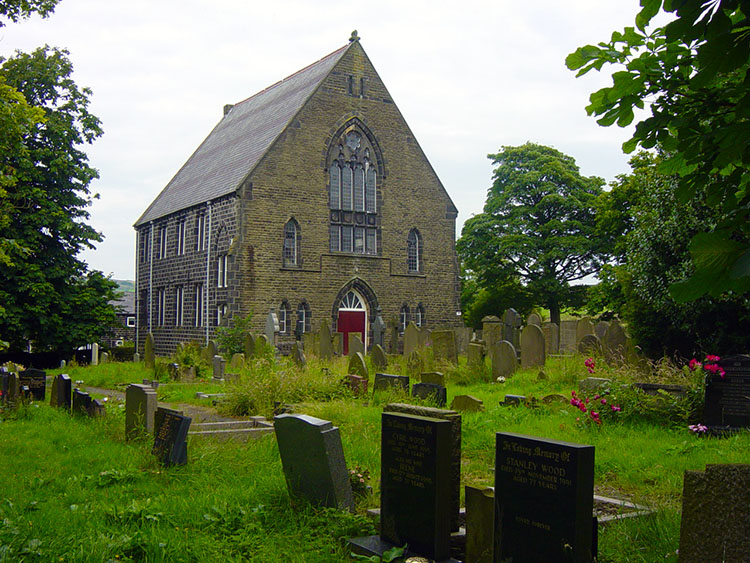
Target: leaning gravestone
(411, 339)
(249, 346)
(544, 496)
(492, 330)
(727, 400)
(62, 392)
(532, 347)
(355, 343)
(36, 381)
(170, 432)
(149, 355)
(614, 343)
(378, 357)
(385, 382)
(140, 406)
(430, 392)
(434, 377)
(358, 366)
(444, 346)
(272, 327)
(551, 338)
(590, 345)
(467, 403)
(709, 499)
(326, 346)
(313, 460)
(504, 361)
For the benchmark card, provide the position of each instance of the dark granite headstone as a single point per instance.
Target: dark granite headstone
(385, 381)
(81, 402)
(36, 381)
(430, 391)
(544, 495)
(140, 407)
(62, 391)
(313, 460)
(727, 402)
(170, 432)
(415, 473)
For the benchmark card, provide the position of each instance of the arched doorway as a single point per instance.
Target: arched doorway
(352, 317)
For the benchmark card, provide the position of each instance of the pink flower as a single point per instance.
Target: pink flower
(616, 408)
(710, 358)
(604, 401)
(596, 396)
(694, 364)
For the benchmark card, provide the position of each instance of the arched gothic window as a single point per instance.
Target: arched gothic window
(291, 243)
(414, 251)
(304, 317)
(353, 190)
(404, 317)
(285, 317)
(419, 318)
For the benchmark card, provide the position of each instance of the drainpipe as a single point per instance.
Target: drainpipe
(208, 271)
(137, 298)
(151, 275)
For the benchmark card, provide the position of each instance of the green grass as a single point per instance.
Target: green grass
(79, 492)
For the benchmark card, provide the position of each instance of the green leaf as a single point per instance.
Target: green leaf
(741, 266)
(714, 251)
(649, 9)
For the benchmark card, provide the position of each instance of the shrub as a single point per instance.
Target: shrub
(231, 338)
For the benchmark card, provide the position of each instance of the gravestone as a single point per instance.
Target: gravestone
(272, 328)
(430, 392)
(249, 346)
(237, 362)
(590, 345)
(326, 346)
(600, 329)
(261, 344)
(378, 330)
(492, 330)
(149, 356)
(715, 523)
(503, 357)
(356, 383)
(475, 356)
(219, 365)
(94, 354)
(544, 496)
(337, 342)
(136, 357)
(463, 337)
(411, 339)
(614, 343)
(592, 385)
(313, 460)
(454, 418)
(551, 338)
(62, 392)
(36, 381)
(512, 328)
(63, 363)
(584, 326)
(308, 343)
(444, 346)
(425, 337)
(568, 341)
(415, 472)
(480, 524)
(358, 365)
(467, 403)
(394, 340)
(140, 406)
(378, 357)
(355, 344)
(212, 349)
(11, 388)
(170, 432)
(532, 347)
(385, 382)
(80, 402)
(298, 355)
(727, 399)
(534, 319)
(434, 377)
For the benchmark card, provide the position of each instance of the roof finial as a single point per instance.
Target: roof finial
(354, 37)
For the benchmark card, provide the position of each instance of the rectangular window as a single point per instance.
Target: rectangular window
(371, 246)
(282, 320)
(162, 242)
(359, 240)
(361, 87)
(179, 301)
(161, 307)
(181, 237)
(359, 189)
(200, 232)
(221, 271)
(346, 188)
(370, 190)
(346, 239)
(335, 238)
(145, 244)
(335, 186)
(221, 312)
(199, 304)
(130, 322)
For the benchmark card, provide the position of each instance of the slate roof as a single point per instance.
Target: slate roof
(125, 303)
(239, 141)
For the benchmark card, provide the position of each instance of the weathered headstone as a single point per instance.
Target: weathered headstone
(272, 328)
(149, 355)
(551, 338)
(62, 392)
(136, 357)
(261, 344)
(590, 345)
(544, 495)
(614, 343)
(94, 354)
(600, 329)
(444, 346)
(355, 343)
(715, 525)
(568, 342)
(308, 343)
(467, 403)
(394, 340)
(313, 460)
(430, 392)
(237, 362)
(480, 524)
(358, 365)
(378, 357)
(378, 330)
(425, 337)
(434, 377)
(140, 406)
(356, 383)
(534, 319)
(249, 346)
(727, 399)
(475, 356)
(219, 365)
(584, 326)
(298, 355)
(36, 381)
(385, 382)
(170, 435)
(463, 337)
(411, 339)
(503, 357)
(63, 363)
(104, 358)
(326, 346)
(533, 352)
(337, 342)
(492, 330)
(512, 328)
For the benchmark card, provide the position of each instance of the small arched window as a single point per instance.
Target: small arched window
(419, 318)
(303, 317)
(404, 317)
(285, 317)
(414, 251)
(291, 243)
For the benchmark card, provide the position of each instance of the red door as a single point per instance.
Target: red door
(351, 321)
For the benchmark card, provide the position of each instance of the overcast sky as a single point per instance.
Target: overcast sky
(469, 77)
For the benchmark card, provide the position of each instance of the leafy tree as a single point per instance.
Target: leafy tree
(538, 227)
(693, 74)
(231, 336)
(49, 296)
(16, 10)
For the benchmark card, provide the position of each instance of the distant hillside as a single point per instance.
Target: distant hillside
(126, 286)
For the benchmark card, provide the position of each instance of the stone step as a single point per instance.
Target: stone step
(240, 430)
(240, 435)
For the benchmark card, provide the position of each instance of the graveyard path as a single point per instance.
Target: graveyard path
(196, 412)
